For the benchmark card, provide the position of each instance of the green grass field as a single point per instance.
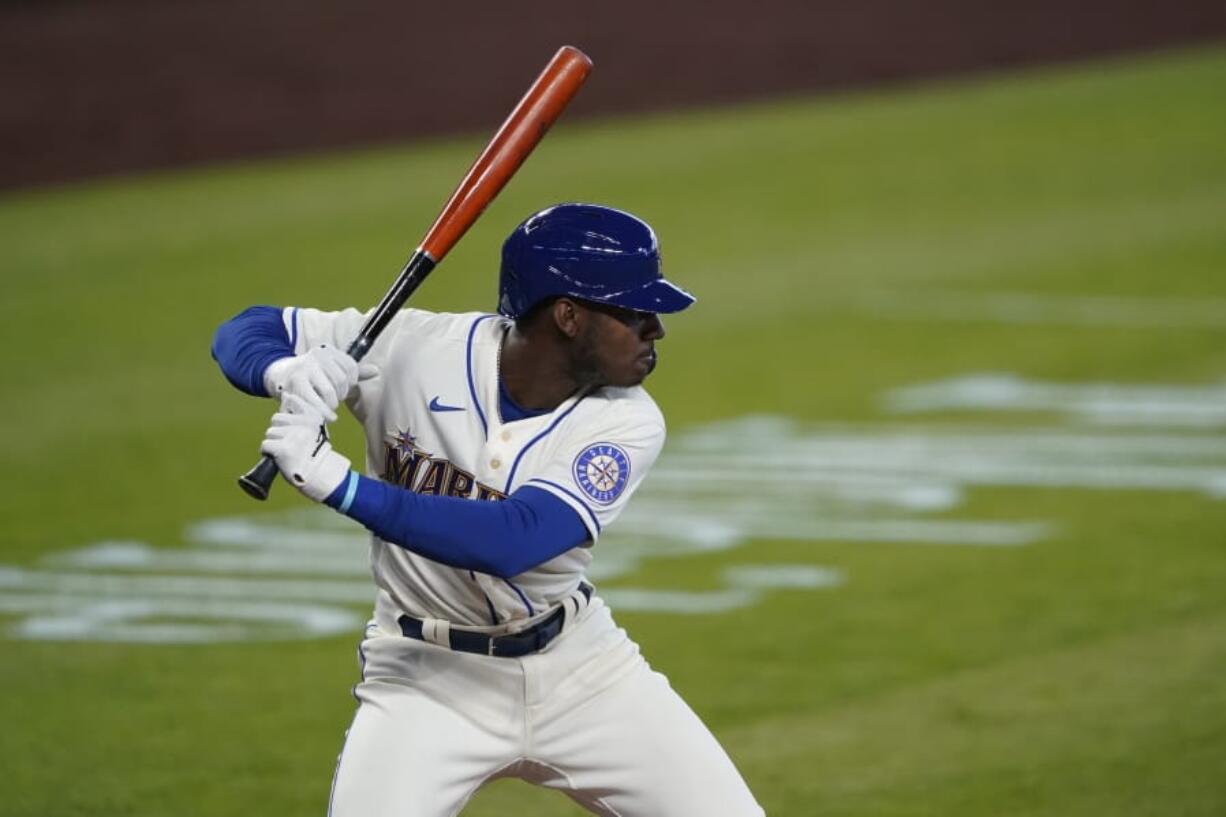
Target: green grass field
(993, 310)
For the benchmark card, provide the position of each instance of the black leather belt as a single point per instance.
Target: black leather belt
(512, 645)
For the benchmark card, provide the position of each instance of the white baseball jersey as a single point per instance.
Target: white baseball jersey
(433, 425)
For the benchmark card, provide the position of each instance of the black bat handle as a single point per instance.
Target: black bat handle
(258, 481)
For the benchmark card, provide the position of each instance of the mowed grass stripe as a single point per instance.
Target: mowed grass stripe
(1125, 725)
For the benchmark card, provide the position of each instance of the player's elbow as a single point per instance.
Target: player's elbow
(509, 563)
(506, 568)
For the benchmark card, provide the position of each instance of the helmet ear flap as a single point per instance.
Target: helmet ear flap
(508, 285)
(513, 301)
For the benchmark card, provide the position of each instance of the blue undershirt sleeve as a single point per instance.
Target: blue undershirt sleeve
(501, 539)
(247, 344)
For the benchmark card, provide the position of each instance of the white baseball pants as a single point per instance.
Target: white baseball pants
(586, 716)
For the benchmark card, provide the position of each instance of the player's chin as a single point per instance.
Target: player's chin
(643, 366)
(630, 372)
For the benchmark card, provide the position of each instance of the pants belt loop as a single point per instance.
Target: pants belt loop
(570, 609)
(436, 631)
(573, 604)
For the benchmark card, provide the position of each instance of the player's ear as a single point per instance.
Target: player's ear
(566, 316)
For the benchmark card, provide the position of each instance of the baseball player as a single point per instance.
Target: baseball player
(498, 448)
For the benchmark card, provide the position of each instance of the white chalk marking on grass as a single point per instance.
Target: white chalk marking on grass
(685, 602)
(770, 577)
(748, 585)
(717, 488)
(26, 602)
(796, 524)
(181, 621)
(213, 588)
(1132, 312)
(1106, 404)
(348, 559)
(298, 531)
(832, 467)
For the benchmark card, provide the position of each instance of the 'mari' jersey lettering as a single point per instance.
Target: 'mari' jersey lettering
(404, 463)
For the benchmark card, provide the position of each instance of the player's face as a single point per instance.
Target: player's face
(616, 346)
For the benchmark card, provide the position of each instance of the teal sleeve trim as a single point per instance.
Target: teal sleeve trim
(351, 490)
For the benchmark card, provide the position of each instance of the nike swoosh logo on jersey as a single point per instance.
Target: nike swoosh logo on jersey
(435, 405)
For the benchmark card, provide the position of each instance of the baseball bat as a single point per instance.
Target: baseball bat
(519, 134)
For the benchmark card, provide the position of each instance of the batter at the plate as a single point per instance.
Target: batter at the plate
(498, 447)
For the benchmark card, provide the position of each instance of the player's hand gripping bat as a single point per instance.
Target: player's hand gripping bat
(538, 109)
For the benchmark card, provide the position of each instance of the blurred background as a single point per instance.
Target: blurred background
(940, 527)
(94, 88)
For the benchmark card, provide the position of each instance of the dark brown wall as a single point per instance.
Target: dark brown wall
(91, 88)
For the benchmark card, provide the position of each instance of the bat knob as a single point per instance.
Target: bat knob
(258, 481)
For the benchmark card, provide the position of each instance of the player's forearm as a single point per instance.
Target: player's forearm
(501, 539)
(247, 344)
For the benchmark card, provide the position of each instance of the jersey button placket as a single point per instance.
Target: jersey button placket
(500, 455)
(497, 453)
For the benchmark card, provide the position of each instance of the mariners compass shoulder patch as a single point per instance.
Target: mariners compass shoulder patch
(602, 471)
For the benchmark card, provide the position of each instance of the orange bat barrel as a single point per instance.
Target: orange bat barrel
(519, 134)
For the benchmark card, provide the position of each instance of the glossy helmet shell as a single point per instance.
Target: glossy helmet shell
(588, 252)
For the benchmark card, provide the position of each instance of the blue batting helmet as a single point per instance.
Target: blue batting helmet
(588, 252)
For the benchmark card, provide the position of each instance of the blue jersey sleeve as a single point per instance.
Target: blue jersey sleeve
(247, 344)
(501, 539)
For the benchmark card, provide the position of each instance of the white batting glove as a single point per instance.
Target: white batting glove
(323, 377)
(298, 441)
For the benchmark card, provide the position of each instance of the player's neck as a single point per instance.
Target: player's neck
(536, 375)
